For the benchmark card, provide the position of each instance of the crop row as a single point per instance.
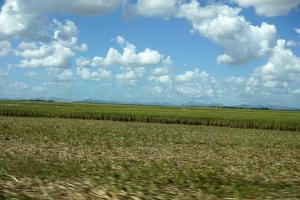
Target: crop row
(150, 117)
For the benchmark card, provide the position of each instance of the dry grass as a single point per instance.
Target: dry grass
(80, 190)
(44, 158)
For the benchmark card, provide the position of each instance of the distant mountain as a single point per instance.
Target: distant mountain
(124, 102)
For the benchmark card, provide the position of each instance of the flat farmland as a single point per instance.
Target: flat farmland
(59, 158)
(234, 118)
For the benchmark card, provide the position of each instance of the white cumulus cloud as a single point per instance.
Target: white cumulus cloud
(15, 20)
(88, 74)
(131, 62)
(282, 68)
(81, 7)
(57, 53)
(152, 8)
(19, 18)
(196, 84)
(61, 75)
(275, 82)
(160, 71)
(222, 24)
(130, 76)
(129, 56)
(270, 8)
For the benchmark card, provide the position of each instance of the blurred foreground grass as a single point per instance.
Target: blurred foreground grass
(43, 158)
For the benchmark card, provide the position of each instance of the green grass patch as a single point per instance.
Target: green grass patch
(234, 118)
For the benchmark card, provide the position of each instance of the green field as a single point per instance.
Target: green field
(234, 118)
(62, 158)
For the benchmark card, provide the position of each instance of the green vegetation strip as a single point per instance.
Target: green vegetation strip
(48, 158)
(234, 118)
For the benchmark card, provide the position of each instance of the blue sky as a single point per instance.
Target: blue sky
(229, 52)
